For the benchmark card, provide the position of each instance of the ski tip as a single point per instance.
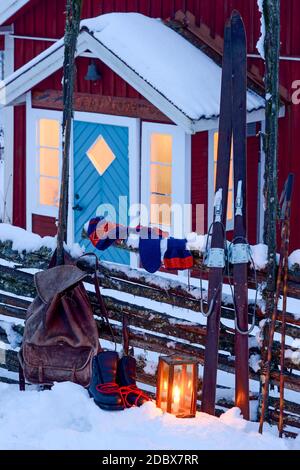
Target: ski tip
(237, 25)
(235, 15)
(236, 18)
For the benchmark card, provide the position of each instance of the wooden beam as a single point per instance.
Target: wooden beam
(117, 106)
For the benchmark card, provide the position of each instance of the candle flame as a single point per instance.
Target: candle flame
(176, 394)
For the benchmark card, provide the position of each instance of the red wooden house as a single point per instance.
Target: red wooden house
(151, 108)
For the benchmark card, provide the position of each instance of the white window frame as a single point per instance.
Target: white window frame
(181, 170)
(211, 179)
(32, 163)
(8, 121)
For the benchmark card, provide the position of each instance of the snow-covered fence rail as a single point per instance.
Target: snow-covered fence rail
(163, 316)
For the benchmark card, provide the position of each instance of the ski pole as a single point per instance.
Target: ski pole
(286, 214)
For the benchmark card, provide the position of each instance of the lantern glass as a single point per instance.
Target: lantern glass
(177, 385)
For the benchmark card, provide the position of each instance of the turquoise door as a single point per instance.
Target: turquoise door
(101, 177)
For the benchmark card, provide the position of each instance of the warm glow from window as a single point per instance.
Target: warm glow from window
(161, 148)
(49, 188)
(49, 133)
(48, 155)
(230, 208)
(160, 210)
(161, 179)
(49, 162)
(101, 155)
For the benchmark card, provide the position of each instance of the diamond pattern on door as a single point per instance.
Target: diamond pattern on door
(101, 155)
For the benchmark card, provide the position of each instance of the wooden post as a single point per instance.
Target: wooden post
(271, 12)
(73, 13)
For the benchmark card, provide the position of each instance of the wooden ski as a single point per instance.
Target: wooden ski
(233, 126)
(240, 251)
(216, 260)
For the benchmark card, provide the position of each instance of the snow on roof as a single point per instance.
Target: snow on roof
(173, 66)
(170, 72)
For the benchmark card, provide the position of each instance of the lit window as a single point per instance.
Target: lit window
(230, 208)
(161, 179)
(101, 155)
(48, 152)
(49, 133)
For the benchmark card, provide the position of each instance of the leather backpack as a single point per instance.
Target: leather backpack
(61, 336)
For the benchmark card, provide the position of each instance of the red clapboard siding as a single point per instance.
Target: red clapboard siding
(46, 18)
(19, 175)
(44, 226)
(200, 175)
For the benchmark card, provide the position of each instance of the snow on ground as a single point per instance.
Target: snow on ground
(23, 240)
(66, 418)
(259, 255)
(294, 259)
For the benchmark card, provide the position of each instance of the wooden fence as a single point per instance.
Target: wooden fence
(168, 320)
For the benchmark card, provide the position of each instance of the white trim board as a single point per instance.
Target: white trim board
(9, 7)
(36, 70)
(51, 60)
(8, 121)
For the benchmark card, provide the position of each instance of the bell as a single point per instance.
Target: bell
(93, 73)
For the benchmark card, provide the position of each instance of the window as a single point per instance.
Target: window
(230, 206)
(161, 179)
(212, 172)
(166, 178)
(48, 162)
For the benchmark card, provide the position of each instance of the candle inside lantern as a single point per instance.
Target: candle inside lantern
(177, 385)
(176, 399)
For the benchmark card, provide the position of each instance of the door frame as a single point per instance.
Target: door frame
(32, 114)
(133, 126)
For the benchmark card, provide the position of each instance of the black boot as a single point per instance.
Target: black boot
(132, 395)
(104, 388)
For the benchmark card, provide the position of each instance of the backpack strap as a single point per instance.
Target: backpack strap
(103, 310)
(21, 378)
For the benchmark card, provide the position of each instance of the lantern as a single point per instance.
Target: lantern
(177, 385)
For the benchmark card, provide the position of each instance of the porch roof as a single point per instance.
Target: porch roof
(174, 75)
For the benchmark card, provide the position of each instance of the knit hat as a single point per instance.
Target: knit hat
(177, 256)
